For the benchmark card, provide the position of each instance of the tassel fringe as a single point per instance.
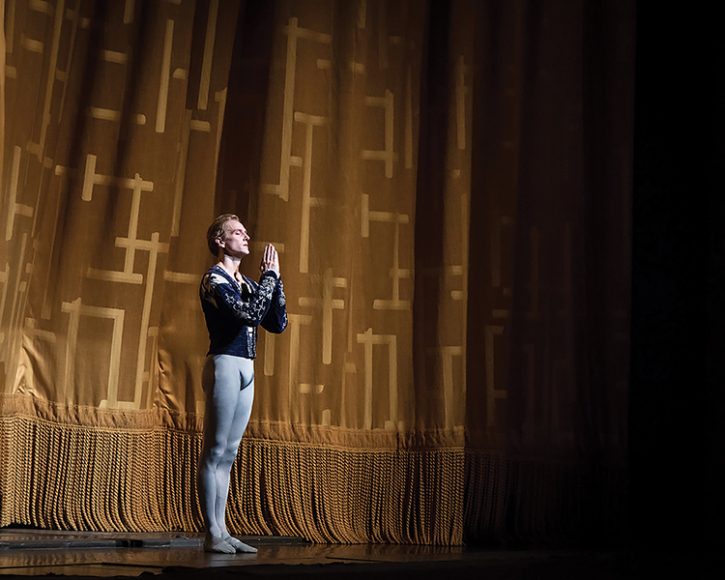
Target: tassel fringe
(70, 477)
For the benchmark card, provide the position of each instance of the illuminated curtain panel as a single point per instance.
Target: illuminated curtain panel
(115, 111)
(112, 156)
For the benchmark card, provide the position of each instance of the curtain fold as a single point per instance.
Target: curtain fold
(448, 185)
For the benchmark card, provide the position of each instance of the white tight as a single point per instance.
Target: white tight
(228, 383)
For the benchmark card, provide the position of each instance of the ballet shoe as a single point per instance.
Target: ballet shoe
(218, 546)
(239, 546)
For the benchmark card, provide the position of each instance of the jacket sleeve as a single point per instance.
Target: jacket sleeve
(250, 308)
(276, 318)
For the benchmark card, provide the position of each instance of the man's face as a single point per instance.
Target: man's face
(236, 239)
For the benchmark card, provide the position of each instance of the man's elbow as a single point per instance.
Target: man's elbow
(276, 328)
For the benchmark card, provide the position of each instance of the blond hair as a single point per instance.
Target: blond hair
(216, 231)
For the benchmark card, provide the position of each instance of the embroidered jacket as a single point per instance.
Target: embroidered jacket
(233, 311)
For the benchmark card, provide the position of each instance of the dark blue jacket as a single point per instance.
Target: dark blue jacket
(233, 311)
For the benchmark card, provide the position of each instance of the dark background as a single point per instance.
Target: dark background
(677, 412)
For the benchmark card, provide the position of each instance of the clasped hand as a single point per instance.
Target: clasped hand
(270, 260)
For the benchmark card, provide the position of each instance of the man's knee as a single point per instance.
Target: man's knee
(228, 456)
(214, 456)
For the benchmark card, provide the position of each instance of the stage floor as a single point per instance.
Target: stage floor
(36, 553)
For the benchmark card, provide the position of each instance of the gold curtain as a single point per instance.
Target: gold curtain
(448, 186)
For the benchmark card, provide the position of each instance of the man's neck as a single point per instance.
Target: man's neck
(230, 264)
